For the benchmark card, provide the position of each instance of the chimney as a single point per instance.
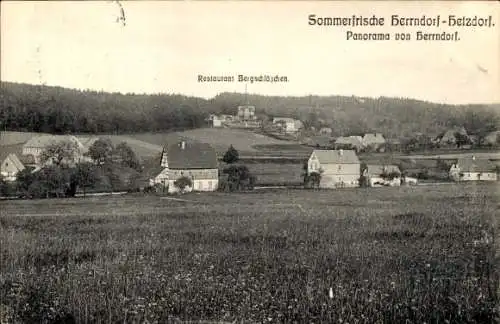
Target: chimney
(183, 145)
(341, 152)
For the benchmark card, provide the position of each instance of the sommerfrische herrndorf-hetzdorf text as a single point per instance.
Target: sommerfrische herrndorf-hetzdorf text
(401, 22)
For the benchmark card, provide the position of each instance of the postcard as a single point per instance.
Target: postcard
(249, 162)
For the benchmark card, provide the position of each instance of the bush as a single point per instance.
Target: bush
(182, 183)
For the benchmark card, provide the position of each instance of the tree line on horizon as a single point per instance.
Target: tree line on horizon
(58, 110)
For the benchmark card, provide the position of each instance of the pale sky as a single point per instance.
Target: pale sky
(165, 45)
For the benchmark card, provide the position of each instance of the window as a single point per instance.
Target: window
(340, 167)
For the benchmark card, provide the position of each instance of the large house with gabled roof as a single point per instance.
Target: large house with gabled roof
(472, 169)
(338, 168)
(38, 144)
(197, 161)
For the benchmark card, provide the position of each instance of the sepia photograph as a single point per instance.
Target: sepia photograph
(249, 162)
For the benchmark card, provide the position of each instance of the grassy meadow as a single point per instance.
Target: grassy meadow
(220, 138)
(387, 255)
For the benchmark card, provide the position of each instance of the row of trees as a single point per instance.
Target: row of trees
(60, 110)
(63, 174)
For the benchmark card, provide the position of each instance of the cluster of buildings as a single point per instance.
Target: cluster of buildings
(338, 168)
(32, 150)
(375, 141)
(245, 118)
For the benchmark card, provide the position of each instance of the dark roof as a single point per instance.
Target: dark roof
(475, 165)
(336, 156)
(193, 156)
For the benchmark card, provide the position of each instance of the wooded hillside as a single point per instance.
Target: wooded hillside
(60, 110)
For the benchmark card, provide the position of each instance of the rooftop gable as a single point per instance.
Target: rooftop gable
(336, 156)
(193, 155)
(472, 164)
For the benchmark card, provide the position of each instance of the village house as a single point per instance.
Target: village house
(38, 144)
(197, 161)
(288, 125)
(375, 141)
(382, 175)
(449, 137)
(338, 168)
(349, 142)
(472, 169)
(246, 113)
(10, 167)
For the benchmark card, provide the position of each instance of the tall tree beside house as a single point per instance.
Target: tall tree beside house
(59, 153)
(127, 156)
(239, 177)
(231, 155)
(84, 176)
(101, 151)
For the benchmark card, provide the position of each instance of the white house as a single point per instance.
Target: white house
(338, 168)
(214, 121)
(197, 161)
(10, 167)
(289, 125)
(472, 169)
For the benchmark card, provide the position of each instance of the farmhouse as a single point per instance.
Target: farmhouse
(382, 175)
(36, 145)
(289, 125)
(338, 168)
(10, 167)
(472, 169)
(349, 142)
(376, 141)
(449, 137)
(197, 161)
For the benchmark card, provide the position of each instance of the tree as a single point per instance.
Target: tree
(239, 178)
(127, 156)
(101, 151)
(60, 153)
(84, 176)
(182, 183)
(313, 180)
(462, 139)
(231, 155)
(3, 187)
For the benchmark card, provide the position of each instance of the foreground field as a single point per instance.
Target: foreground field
(354, 255)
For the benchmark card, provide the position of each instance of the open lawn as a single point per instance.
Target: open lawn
(422, 254)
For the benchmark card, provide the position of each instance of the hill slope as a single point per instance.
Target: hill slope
(58, 110)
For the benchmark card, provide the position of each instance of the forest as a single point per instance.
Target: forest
(51, 109)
